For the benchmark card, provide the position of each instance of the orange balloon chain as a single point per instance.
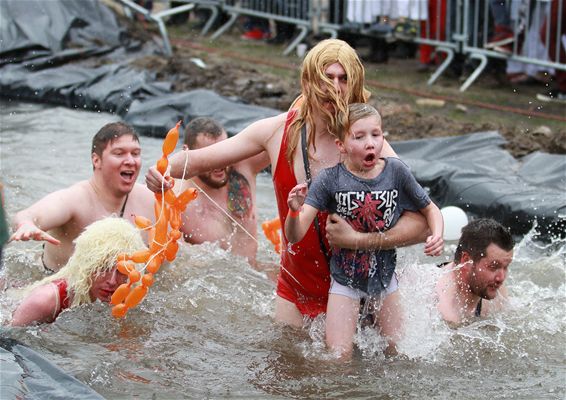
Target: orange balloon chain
(272, 231)
(162, 240)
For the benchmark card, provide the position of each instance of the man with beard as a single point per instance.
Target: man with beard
(61, 216)
(225, 210)
(477, 273)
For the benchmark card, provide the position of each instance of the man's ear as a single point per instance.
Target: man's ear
(96, 160)
(466, 259)
(340, 145)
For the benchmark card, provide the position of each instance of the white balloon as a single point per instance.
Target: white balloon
(454, 220)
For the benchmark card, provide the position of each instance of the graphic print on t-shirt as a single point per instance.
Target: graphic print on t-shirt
(367, 211)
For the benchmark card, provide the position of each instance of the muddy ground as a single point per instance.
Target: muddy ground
(258, 73)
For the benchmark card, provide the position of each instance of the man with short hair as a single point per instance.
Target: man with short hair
(61, 216)
(225, 211)
(477, 273)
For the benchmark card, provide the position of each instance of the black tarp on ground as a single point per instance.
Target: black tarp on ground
(474, 173)
(156, 115)
(25, 374)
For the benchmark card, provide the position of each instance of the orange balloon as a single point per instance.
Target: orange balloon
(119, 310)
(135, 296)
(124, 267)
(134, 276)
(162, 165)
(171, 251)
(140, 256)
(175, 234)
(175, 218)
(122, 257)
(142, 222)
(170, 197)
(184, 198)
(171, 139)
(147, 280)
(154, 265)
(120, 294)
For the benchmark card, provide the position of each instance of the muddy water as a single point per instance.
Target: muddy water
(205, 329)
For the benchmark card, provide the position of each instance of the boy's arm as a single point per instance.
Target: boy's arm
(434, 244)
(410, 229)
(296, 227)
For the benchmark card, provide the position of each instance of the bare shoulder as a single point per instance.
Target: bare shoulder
(39, 306)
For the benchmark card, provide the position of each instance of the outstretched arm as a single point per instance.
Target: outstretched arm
(188, 163)
(52, 211)
(410, 229)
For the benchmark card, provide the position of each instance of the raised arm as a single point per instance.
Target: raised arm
(298, 221)
(410, 229)
(252, 141)
(52, 211)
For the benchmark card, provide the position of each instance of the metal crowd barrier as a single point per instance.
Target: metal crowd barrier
(450, 27)
(158, 17)
(296, 12)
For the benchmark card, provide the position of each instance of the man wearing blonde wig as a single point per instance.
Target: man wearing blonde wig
(89, 274)
(332, 76)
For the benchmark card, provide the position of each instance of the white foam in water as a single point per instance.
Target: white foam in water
(205, 330)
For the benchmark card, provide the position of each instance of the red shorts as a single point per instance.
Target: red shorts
(307, 305)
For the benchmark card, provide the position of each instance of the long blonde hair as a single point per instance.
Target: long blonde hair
(316, 87)
(95, 253)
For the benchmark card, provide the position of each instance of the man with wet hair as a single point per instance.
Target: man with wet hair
(60, 217)
(477, 273)
(225, 210)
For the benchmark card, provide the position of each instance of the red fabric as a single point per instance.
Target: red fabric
(434, 19)
(305, 276)
(61, 285)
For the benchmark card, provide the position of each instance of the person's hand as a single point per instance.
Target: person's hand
(297, 197)
(434, 245)
(340, 233)
(29, 231)
(155, 181)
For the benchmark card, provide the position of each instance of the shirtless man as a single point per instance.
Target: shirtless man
(477, 273)
(61, 216)
(227, 195)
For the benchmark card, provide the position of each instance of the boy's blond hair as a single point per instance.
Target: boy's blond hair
(355, 112)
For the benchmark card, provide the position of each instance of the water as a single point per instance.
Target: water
(205, 328)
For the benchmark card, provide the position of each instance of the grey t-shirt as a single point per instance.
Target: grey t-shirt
(369, 205)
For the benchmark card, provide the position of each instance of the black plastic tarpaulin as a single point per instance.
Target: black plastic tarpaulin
(26, 374)
(475, 173)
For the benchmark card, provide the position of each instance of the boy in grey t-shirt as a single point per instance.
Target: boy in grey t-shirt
(370, 193)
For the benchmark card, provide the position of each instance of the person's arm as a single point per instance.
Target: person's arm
(410, 229)
(188, 163)
(38, 307)
(298, 220)
(52, 211)
(434, 244)
(387, 150)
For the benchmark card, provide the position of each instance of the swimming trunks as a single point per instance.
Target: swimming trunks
(305, 276)
(62, 296)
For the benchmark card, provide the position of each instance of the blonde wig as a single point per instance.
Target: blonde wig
(356, 111)
(95, 253)
(317, 88)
